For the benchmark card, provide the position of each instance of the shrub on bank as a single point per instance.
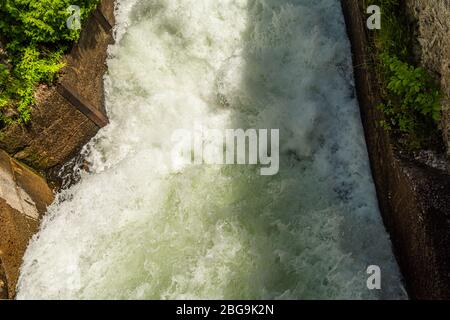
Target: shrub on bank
(412, 99)
(34, 35)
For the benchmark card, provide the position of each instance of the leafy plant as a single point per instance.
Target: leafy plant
(36, 37)
(412, 98)
(416, 91)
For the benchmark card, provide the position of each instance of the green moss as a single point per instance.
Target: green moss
(36, 37)
(412, 99)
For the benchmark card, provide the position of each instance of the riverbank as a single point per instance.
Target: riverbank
(65, 117)
(223, 232)
(414, 199)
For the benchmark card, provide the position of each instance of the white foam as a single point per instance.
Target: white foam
(137, 228)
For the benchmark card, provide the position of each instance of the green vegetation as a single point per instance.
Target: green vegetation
(412, 98)
(35, 36)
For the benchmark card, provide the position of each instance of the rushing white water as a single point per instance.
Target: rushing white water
(137, 228)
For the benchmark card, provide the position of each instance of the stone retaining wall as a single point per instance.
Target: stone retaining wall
(414, 199)
(68, 115)
(24, 197)
(65, 118)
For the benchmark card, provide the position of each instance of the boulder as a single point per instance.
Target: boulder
(24, 197)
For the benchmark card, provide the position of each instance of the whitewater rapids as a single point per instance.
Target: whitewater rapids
(136, 227)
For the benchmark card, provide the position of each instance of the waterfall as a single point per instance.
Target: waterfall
(137, 227)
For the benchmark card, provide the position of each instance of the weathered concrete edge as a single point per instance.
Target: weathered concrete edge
(95, 114)
(84, 106)
(414, 200)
